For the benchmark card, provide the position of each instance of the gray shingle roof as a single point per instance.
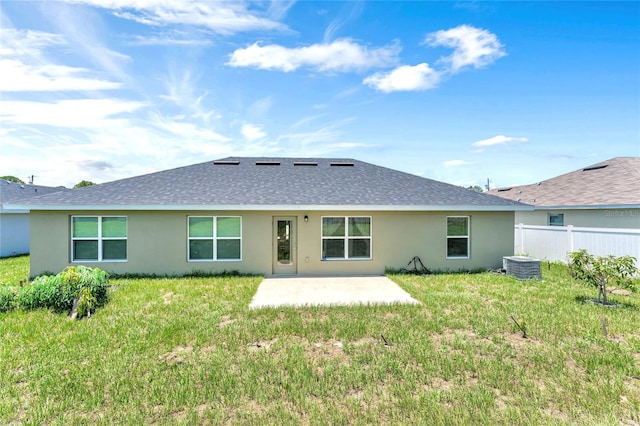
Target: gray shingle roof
(11, 192)
(608, 183)
(272, 182)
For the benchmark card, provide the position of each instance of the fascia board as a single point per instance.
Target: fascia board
(259, 207)
(590, 207)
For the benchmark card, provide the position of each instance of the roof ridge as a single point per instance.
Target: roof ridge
(632, 171)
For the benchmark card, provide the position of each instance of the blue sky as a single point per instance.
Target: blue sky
(516, 92)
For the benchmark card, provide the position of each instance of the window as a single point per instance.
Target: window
(556, 219)
(215, 238)
(458, 237)
(99, 238)
(346, 238)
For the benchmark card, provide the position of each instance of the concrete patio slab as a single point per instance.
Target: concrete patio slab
(328, 291)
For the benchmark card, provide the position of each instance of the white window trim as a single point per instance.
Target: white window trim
(346, 240)
(468, 237)
(100, 239)
(215, 239)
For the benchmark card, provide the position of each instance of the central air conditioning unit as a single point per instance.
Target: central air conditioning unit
(522, 267)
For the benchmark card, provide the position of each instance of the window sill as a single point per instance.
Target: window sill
(100, 261)
(342, 259)
(458, 257)
(212, 260)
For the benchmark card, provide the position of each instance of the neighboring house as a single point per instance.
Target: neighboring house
(603, 195)
(271, 216)
(14, 223)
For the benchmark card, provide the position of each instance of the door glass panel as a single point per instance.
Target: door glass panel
(284, 242)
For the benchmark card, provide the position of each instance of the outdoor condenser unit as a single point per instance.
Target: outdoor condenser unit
(522, 267)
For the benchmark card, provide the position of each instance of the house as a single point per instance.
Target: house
(14, 223)
(602, 195)
(271, 216)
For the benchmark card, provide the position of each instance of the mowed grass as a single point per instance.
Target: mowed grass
(189, 351)
(14, 269)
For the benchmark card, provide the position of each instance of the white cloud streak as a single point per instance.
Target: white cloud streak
(224, 18)
(355, 10)
(24, 67)
(74, 113)
(187, 130)
(499, 140)
(455, 163)
(82, 28)
(338, 56)
(168, 40)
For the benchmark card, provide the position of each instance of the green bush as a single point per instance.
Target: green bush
(87, 285)
(86, 303)
(41, 293)
(603, 271)
(7, 299)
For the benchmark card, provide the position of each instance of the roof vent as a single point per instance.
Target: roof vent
(227, 162)
(305, 163)
(504, 189)
(588, 169)
(267, 163)
(342, 164)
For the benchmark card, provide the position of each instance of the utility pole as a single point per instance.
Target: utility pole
(31, 178)
(488, 185)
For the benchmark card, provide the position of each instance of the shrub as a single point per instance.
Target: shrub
(602, 271)
(81, 282)
(86, 302)
(87, 285)
(7, 299)
(40, 294)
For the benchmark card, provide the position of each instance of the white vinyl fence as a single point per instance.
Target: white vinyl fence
(555, 242)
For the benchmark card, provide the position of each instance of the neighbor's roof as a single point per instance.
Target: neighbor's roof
(11, 192)
(275, 183)
(615, 182)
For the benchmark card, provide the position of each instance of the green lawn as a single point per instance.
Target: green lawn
(190, 351)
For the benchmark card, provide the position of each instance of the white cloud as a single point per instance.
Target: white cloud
(21, 77)
(472, 47)
(181, 85)
(27, 42)
(168, 40)
(355, 9)
(338, 56)
(86, 39)
(186, 130)
(454, 163)
(252, 132)
(499, 140)
(405, 78)
(259, 109)
(219, 17)
(24, 67)
(73, 113)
